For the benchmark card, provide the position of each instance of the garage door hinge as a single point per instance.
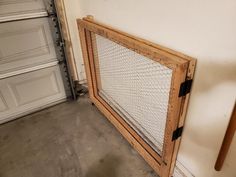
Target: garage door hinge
(185, 87)
(177, 133)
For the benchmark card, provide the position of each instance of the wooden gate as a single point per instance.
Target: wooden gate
(141, 87)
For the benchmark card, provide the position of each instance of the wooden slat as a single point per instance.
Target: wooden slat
(86, 61)
(170, 61)
(66, 35)
(182, 67)
(142, 151)
(166, 50)
(227, 141)
(183, 112)
(91, 61)
(173, 113)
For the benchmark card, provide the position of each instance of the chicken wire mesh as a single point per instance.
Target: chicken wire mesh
(135, 86)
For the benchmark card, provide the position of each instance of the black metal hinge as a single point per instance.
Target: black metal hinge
(185, 87)
(177, 133)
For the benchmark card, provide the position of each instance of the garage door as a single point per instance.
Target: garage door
(30, 75)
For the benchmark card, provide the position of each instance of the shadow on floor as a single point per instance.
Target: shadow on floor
(105, 167)
(72, 139)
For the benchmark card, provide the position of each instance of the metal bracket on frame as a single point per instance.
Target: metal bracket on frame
(185, 87)
(177, 133)
(162, 163)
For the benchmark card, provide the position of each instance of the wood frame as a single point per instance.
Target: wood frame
(228, 138)
(60, 6)
(182, 67)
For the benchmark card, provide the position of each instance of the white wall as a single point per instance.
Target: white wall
(202, 29)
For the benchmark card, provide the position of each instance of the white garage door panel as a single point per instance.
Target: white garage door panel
(20, 85)
(3, 104)
(25, 44)
(17, 7)
(24, 93)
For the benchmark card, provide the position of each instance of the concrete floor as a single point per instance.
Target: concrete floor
(72, 139)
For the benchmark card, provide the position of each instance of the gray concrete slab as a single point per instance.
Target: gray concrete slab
(72, 139)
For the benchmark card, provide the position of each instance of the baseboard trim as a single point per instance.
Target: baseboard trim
(181, 171)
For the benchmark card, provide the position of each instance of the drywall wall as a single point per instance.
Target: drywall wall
(202, 29)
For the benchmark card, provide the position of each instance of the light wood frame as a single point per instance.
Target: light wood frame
(228, 138)
(61, 12)
(183, 69)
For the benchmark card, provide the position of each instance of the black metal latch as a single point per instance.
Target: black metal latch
(177, 133)
(185, 87)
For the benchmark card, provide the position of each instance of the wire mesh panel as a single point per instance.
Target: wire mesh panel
(136, 86)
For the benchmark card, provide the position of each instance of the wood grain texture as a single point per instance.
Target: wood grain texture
(173, 117)
(91, 60)
(183, 112)
(90, 18)
(86, 60)
(67, 38)
(131, 139)
(227, 141)
(182, 67)
(169, 60)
